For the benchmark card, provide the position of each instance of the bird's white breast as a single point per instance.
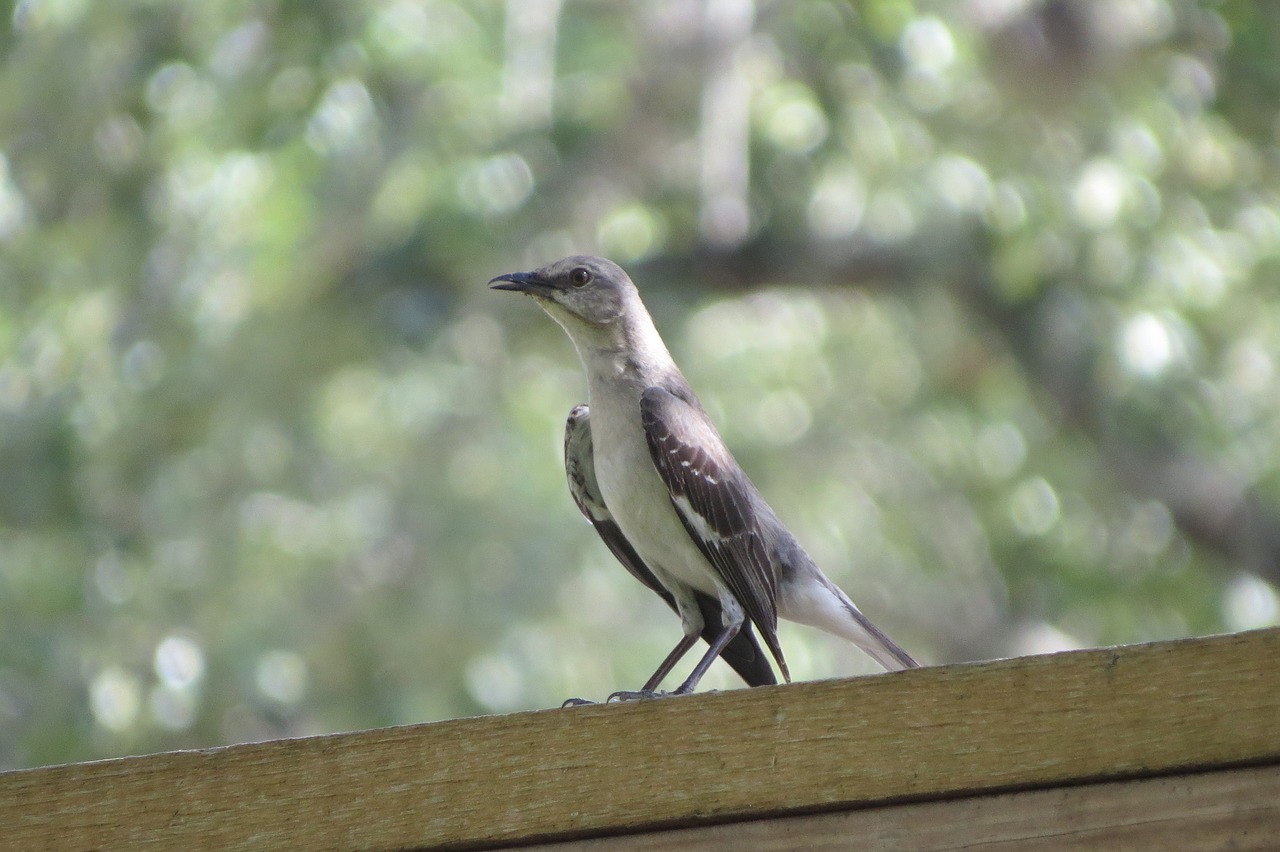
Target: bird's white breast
(636, 495)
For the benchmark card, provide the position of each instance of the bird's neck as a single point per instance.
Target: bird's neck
(631, 352)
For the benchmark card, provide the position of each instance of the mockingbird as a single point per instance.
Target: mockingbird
(649, 470)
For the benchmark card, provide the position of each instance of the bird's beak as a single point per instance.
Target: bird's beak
(520, 282)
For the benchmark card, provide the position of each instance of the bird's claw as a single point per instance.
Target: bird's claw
(620, 697)
(634, 695)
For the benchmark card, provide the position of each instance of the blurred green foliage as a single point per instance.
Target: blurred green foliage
(982, 294)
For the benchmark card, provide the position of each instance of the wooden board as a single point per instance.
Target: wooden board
(925, 734)
(1237, 809)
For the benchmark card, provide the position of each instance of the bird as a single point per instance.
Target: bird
(650, 471)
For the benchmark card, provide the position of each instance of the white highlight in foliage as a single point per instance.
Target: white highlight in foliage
(1250, 603)
(1000, 449)
(1146, 345)
(496, 682)
(344, 118)
(179, 662)
(1099, 194)
(837, 204)
(114, 697)
(497, 185)
(1044, 638)
(962, 183)
(927, 44)
(1034, 507)
(282, 676)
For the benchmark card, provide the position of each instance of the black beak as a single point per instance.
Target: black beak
(520, 282)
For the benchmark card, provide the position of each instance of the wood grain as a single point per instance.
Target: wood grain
(1237, 809)
(1034, 722)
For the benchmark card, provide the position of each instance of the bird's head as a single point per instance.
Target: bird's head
(584, 294)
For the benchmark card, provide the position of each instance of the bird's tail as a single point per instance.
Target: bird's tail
(872, 639)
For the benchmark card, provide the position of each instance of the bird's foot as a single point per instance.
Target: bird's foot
(575, 702)
(635, 695)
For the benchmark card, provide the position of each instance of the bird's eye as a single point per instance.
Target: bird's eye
(580, 277)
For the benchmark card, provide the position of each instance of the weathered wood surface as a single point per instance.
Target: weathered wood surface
(1237, 809)
(925, 734)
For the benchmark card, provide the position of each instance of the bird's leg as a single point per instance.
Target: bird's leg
(726, 636)
(649, 690)
(692, 623)
(733, 620)
(732, 617)
(691, 683)
(682, 647)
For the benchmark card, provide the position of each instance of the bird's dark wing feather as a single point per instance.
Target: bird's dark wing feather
(743, 653)
(717, 504)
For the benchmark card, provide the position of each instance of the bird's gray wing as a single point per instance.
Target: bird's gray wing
(717, 503)
(743, 654)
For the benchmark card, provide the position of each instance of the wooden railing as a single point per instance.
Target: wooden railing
(1166, 745)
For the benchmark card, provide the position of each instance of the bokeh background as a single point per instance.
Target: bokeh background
(983, 294)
